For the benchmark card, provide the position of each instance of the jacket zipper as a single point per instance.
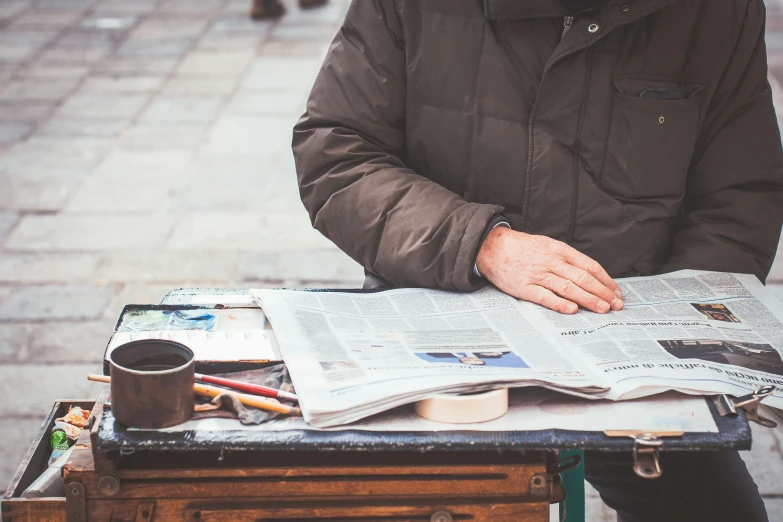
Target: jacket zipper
(578, 143)
(533, 110)
(568, 21)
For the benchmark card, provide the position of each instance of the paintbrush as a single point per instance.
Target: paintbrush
(255, 389)
(252, 401)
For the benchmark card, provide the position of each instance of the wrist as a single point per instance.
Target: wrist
(490, 248)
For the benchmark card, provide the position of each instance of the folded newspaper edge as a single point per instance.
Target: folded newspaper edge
(352, 355)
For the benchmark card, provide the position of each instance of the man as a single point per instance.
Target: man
(265, 9)
(546, 147)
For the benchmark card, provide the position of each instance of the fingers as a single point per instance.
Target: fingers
(573, 292)
(592, 267)
(589, 284)
(548, 299)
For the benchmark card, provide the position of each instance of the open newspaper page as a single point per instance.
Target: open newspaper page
(697, 332)
(351, 355)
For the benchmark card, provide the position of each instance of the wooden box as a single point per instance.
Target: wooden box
(282, 486)
(14, 508)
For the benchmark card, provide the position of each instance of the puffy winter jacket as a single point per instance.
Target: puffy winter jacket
(641, 133)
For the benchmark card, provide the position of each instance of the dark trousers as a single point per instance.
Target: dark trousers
(695, 487)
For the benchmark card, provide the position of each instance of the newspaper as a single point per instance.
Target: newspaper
(352, 355)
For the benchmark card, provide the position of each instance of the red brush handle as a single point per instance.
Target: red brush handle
(241, 386)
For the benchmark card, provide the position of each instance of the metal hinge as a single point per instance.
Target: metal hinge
(750, 403)
(75, 502)
(646, 449)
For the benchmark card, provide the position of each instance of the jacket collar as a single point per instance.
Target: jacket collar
(517, 9)
(520, 9)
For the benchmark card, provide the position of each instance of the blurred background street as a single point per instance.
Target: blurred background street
(145, 146)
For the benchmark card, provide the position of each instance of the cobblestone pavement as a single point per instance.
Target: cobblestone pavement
(144, 145)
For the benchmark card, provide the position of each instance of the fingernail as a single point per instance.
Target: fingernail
(618, 293)
(603, 307)
(572, 308)
(617, 304)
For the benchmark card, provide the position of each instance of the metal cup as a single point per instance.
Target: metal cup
(152, 383)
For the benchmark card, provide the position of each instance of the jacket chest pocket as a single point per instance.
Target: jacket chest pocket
(652, 135)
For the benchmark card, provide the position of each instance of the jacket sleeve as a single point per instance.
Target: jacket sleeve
(349, 148)
(733, 209)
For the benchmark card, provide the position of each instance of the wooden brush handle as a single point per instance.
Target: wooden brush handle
(253, 401)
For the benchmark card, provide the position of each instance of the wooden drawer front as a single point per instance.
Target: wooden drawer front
(240, 510)
(475, 512)
(276, 484)
(34, 510)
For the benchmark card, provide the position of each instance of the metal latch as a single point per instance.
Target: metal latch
(646, 449)
(750, 403)
(75, 502)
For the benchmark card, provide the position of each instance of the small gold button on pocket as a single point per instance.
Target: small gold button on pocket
(661, 119)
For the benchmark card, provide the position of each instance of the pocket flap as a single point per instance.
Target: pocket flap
(634, 86)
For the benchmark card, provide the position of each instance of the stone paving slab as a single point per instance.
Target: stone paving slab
(67, 342)
(190, 86)
(163, 136)
(14, 340)
(131, 66)
(248, 232)
(88, 232)
(178, 109)
(46, 303)
(143, 84)
(103, 106)
(40, 268)
(43, 155)
(32, 113)
(300, 268)
(155, 266)
(50, 383)
(24, 90)
(244, 135)
(40, 190)
(63, 126)
(215, 63)
(7, 222)
(139, 191)
(37, 71)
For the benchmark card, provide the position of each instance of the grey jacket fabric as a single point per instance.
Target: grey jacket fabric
(643, 134)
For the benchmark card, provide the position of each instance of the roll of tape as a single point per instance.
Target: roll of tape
(464, 409)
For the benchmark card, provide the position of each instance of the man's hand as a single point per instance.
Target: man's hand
(547, 272)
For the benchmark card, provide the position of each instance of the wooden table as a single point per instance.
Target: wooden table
(278, 486)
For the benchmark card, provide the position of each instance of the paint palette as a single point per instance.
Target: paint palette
(215, 334)
(204, 319)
